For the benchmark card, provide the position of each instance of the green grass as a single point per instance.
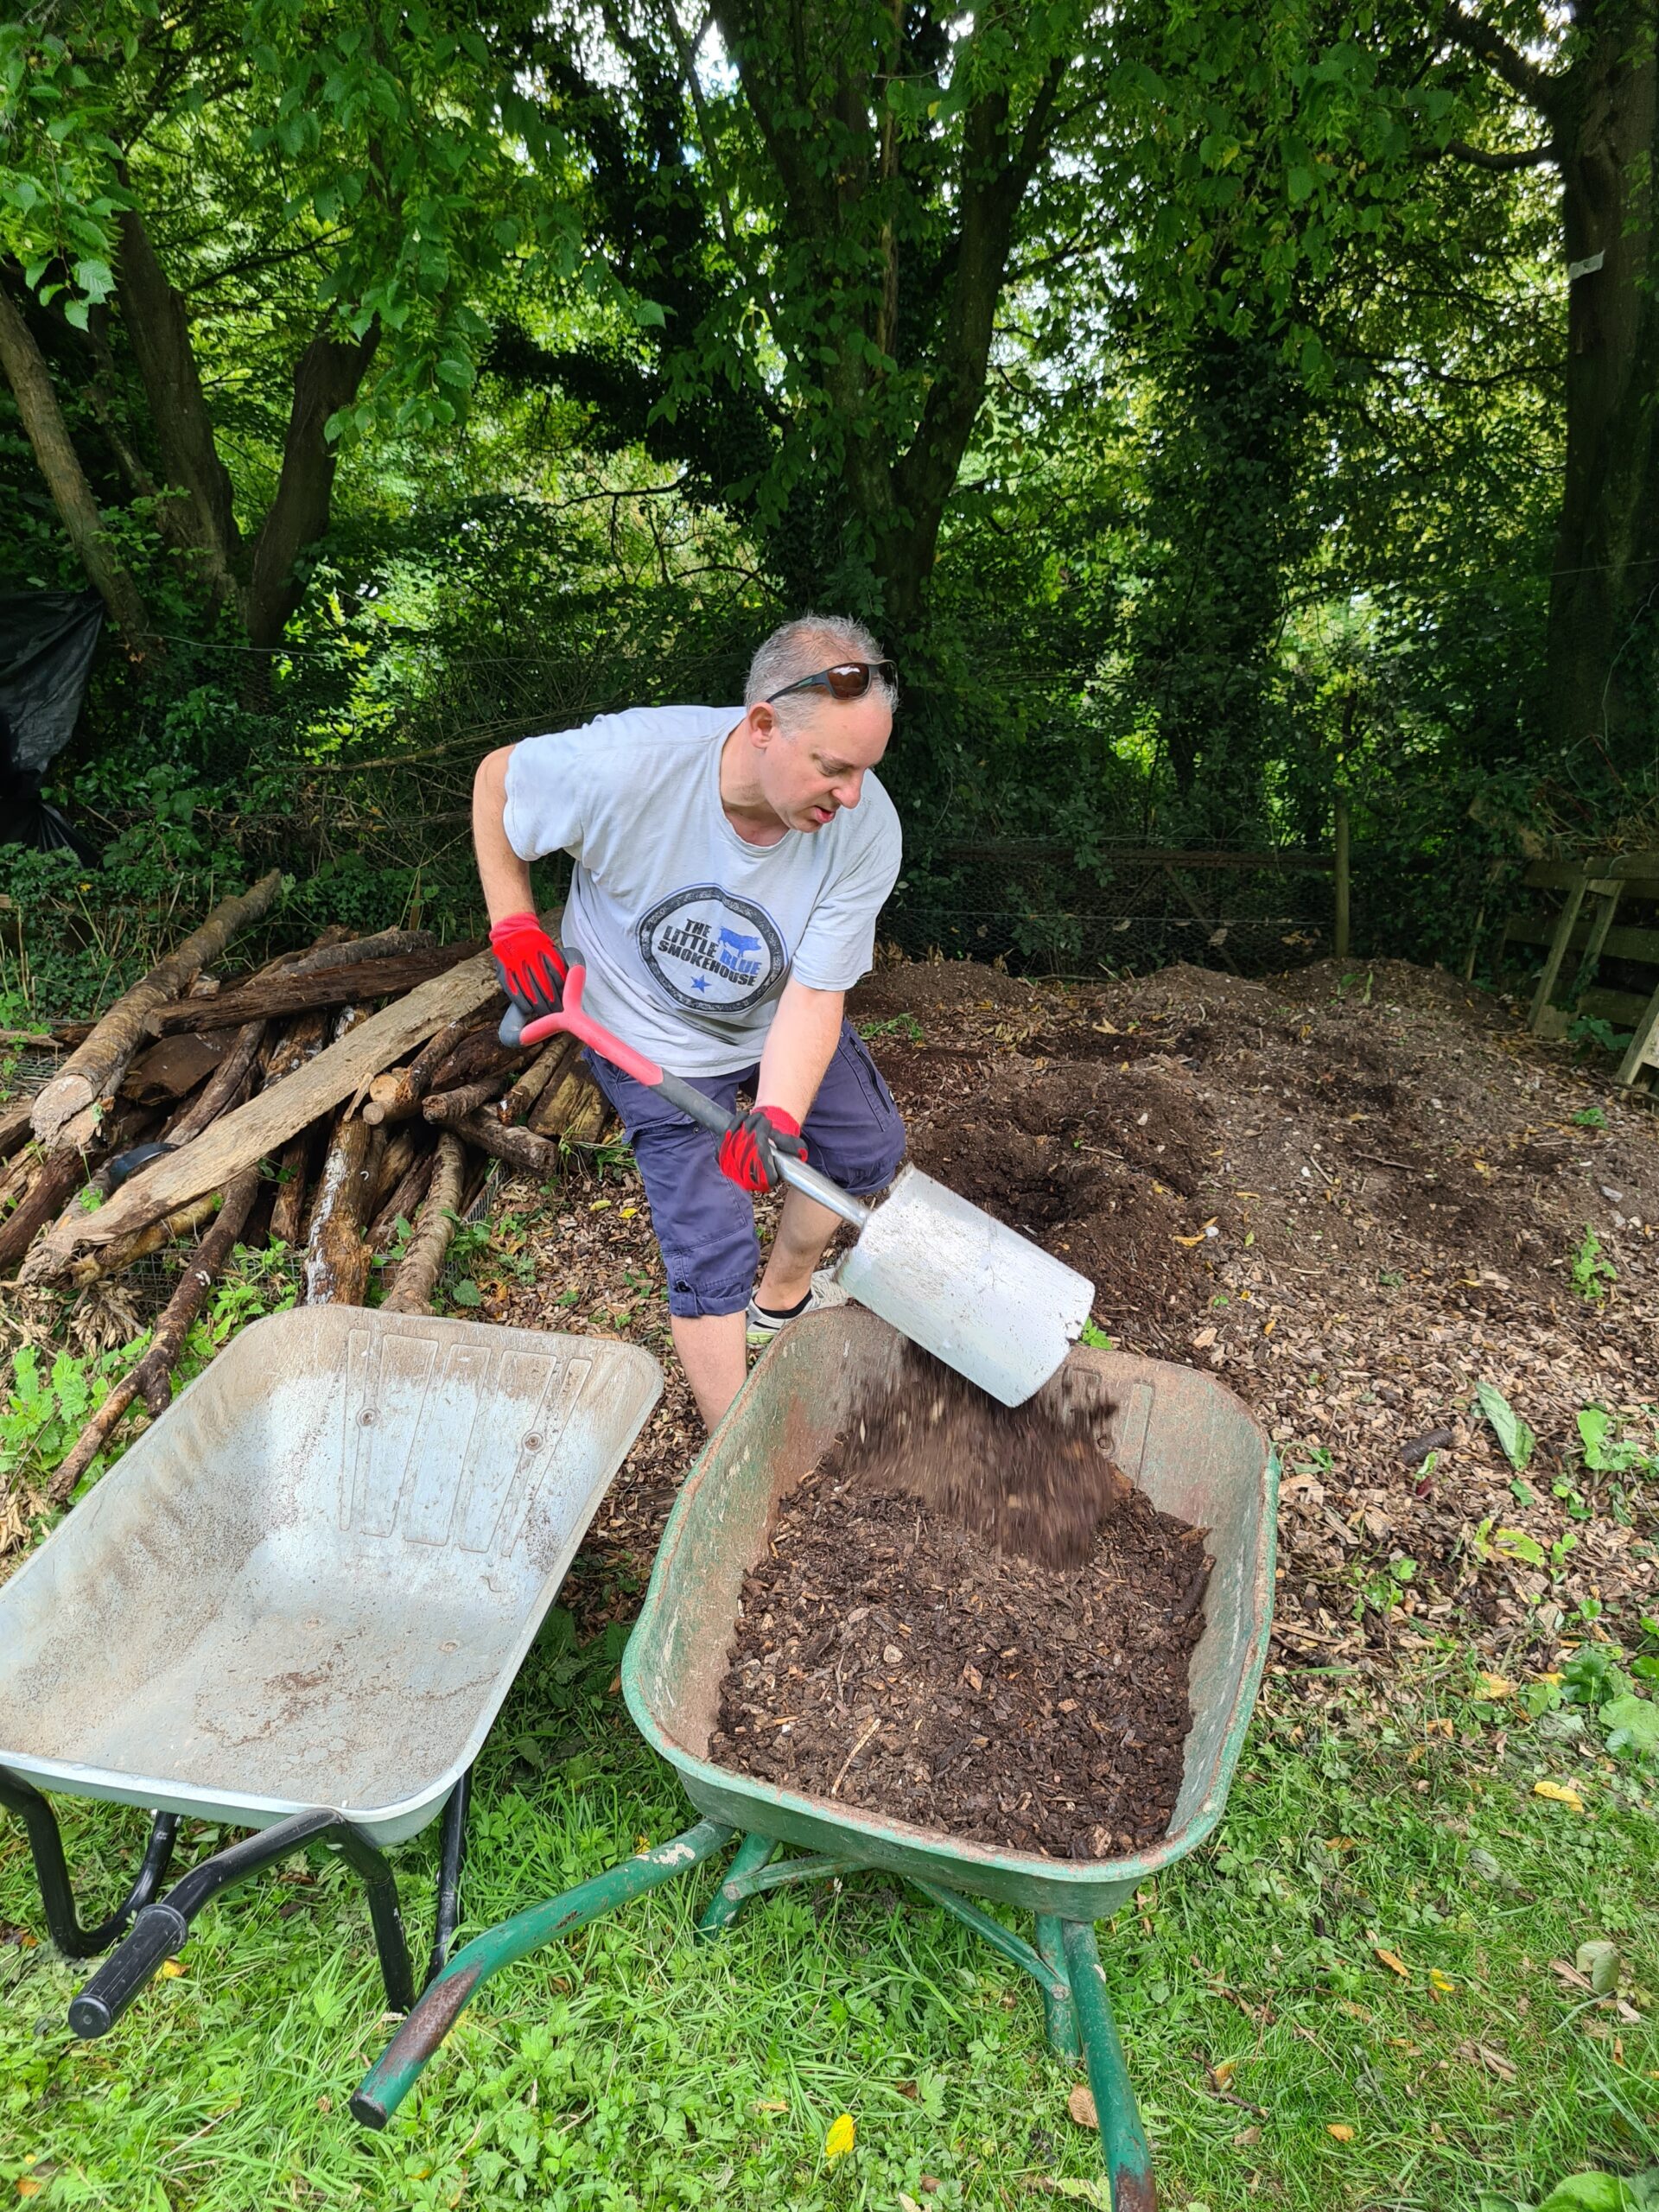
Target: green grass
(637, 2068)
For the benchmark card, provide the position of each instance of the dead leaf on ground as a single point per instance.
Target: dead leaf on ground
(1481, 2053)
(1081, 2106)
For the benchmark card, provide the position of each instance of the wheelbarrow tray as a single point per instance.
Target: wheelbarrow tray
(1181, 1435)
(312, 1581)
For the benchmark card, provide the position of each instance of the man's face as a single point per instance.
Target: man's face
(809, 773)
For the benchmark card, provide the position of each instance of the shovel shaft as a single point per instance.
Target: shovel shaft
(572, 1021)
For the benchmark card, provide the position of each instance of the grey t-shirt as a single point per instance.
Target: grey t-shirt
(688, 931)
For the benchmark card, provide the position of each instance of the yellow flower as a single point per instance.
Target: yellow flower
(843, 2133)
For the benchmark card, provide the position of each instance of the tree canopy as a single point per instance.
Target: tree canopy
(1215, 407)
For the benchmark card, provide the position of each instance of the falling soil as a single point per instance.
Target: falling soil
(886, 1657)
(1034, 1479)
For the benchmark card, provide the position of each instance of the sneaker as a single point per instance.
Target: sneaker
(763, 1325)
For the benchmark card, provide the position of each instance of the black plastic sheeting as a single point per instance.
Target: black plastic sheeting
(46, 642)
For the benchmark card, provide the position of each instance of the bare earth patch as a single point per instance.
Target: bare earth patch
(1353, 1191)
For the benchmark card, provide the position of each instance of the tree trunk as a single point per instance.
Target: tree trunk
(325, 378)
(60, 464)
(199, 515)
(1599, 682)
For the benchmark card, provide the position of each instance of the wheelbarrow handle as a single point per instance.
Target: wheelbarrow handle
(571, 1021)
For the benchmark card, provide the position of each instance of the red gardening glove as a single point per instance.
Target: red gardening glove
(529, 964)
(749, 1148)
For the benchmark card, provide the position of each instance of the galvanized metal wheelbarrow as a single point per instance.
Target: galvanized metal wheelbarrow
(297, 1605)
(1190, 1445)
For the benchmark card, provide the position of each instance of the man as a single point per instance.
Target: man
(730, 868)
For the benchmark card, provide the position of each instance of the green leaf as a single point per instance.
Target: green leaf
(1589, 2193)
(1512, 1432)
(1592, 1428)
(1632, 1724)
(1519, 1545)
(466, 1293)
(1299, 185)
(1599, 1963)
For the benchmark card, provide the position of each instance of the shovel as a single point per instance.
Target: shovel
(983, 1299)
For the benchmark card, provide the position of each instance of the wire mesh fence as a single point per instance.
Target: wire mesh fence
(1132, 907)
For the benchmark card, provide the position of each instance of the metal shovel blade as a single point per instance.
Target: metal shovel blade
(981, 1297)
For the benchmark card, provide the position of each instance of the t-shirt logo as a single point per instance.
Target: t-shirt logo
(709, 949)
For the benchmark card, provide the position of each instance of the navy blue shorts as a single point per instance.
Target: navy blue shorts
(704, 1222)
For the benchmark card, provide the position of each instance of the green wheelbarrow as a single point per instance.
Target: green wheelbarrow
(1189, 1443)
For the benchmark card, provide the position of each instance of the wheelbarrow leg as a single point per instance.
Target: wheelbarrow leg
(452, 1856)
(46, 1847)
(1128, 2161)
(441, 2004)
(162, 1929)
(1059, 2013)
(735, 1891)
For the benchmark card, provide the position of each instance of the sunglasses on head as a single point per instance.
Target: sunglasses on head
(849, 679)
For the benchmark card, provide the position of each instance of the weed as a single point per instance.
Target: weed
(1592, 1029)
(1592, 1117)
(1613, 1456)
(900, 1024)
(1097, 1337)
(44, 1415)
(1593, 1274)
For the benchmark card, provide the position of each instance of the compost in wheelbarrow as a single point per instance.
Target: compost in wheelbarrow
(298, 1601)
(1181, 1435)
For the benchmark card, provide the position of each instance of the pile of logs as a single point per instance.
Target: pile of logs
(318, 1100)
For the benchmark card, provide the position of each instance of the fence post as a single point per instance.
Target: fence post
(1341, 931)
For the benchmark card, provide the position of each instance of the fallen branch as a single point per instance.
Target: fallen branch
(155, 1370)
(151, 1377)
(549, 1115)
(337, 1258)
(121, 1252)
(283, 1108)
(227, 1086)
(15, 1126)
(294, 1172)
(402, 1202)
(529, 1155)
(453, 1106)
(417, 1276)
(95, 1068)
(482, 1052)
(223, 1088)
(551, 1062)
(295, 993)
(396, 1095)
(59, 1177)
(393, 1160)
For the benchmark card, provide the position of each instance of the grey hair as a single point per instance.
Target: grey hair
(802, 648)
